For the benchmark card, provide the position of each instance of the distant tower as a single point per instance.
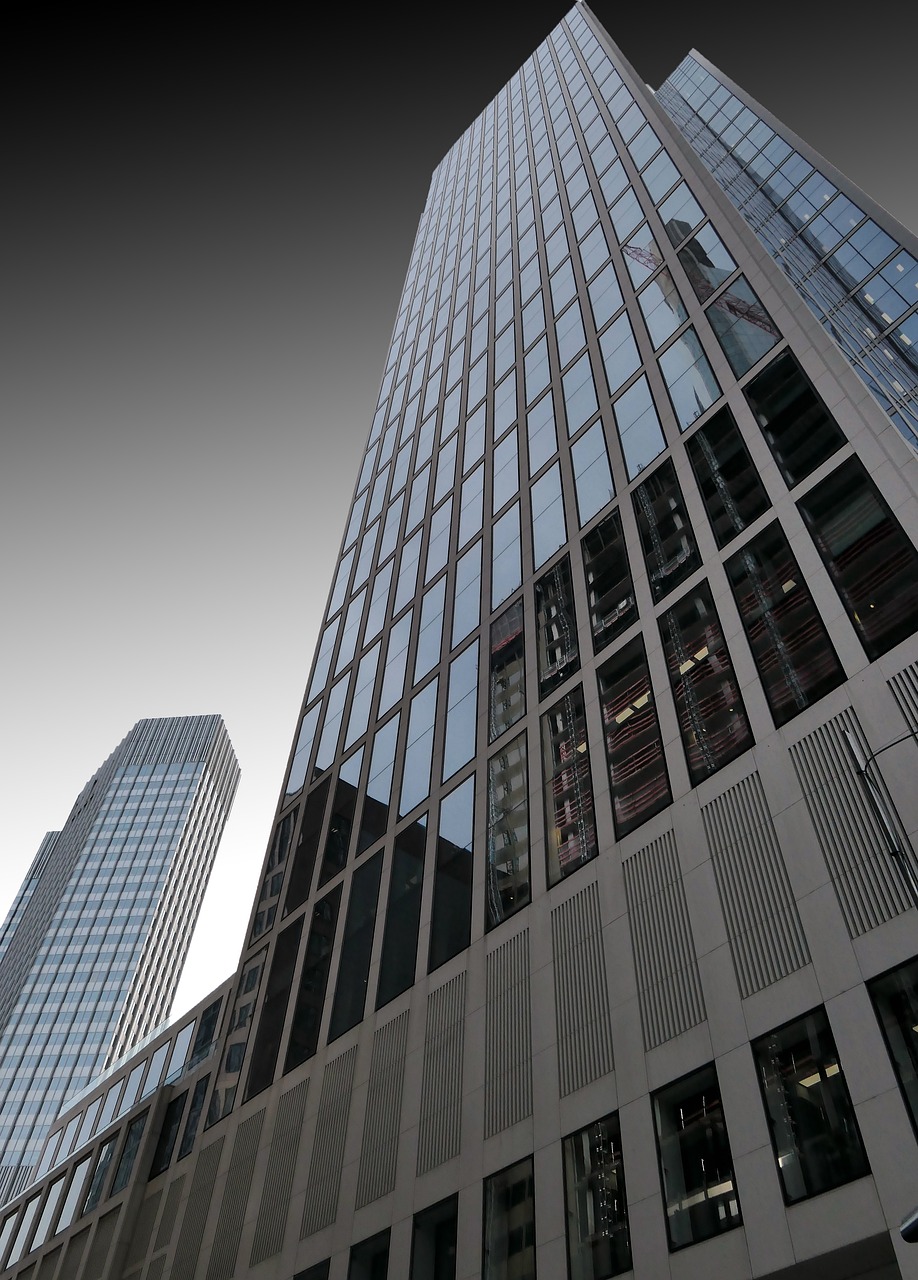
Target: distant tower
(92, 949)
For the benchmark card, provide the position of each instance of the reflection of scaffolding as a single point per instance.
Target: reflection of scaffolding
(572, 794)
(732, 303)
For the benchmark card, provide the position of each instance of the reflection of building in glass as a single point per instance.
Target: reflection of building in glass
(579, 947)
(92, 949)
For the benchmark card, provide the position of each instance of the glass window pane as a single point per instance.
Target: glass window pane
(895, 1001)
(598, 1239)
(375, 817)
(507, 684)
(506, 567)
(310, 999)
(549, 531)
(341, 822)
(307, 847)
(393, 681)
(800, 431)
(509, 1224)
(712, 718)
(872, 563)
(194, 1114)
(620, 355)
(745, 329)
(274, 1009)
(507, 887)
(592, 474)
(467, 602)
(638, 781)
(662, 308)
(670, 552)
(403, 913)
(356, 946)
(795, 658)
(74, 1194)
(540, 428)
(689, 378)
(433, 1242)
(696, 1166)
(556, 628)
(731, 490)
(451, 911)
(706, 262)
(680, 213)
(608, 578)
(419, 748)
(461, 711)
(579, 394)
(430, 633)
(570, 824)
(129, 1153)
(814, 1132)
(639, 430)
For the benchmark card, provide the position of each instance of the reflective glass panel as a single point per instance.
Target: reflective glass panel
(872, 562)
(570, 824)
(598, 1239)
(800, 431)
(403, 913)
(712, 718)
(509, 1224)
(356, 946)
(310, 998)
(696, 1165)
(451, 911)
(638, 780)
(814, 1132)
(507, 887)
(670, 552)
(556, 628)
(731, 490)
(796, 660)
(507, 683)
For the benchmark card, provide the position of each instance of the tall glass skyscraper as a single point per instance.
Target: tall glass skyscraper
(92, 949)
(585, 941)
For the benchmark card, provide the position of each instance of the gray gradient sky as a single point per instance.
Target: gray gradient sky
(207, 216)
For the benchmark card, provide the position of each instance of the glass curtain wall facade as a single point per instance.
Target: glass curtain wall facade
(92, 949)
(584, 941)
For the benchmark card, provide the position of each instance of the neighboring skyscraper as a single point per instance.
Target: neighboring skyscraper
(92, 949)
(584, 942)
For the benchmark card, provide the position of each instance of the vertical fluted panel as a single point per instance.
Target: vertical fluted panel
(235, 1198)
(324, 1180)
(766, 936)
(669, 988)
(379, 1149)
(101, 1244)
(156, 1267)
(905, 690)
(167, 1221)
(197, 1212)
(581, 991)
(73, 1258)
(508, 1040)
(852, 838)
(143, 1230)
(282, 1154)
(441, 1091)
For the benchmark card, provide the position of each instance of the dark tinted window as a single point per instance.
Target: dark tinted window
(730, 487)
(800, 431)
(667, 539)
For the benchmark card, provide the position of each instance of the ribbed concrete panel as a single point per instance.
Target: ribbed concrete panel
(766, 936)
(143, 1230)
(73, 1258)
(27, 1273)
(905, 690)
(156, 1268)
(669, 988)
(48, 1265)
(324, 1180)
(197, 1212)
(379, 1149)
(167, 1221)
(235, 1198)
(508, 1041)
(101, 1245)
(282, 1155)
(581, 991)
(850, 834)
(441, 1092)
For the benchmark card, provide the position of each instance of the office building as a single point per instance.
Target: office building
(92, 949)
(585, 943)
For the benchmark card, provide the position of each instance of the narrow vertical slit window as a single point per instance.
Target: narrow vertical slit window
(570, 823)
(508, 888)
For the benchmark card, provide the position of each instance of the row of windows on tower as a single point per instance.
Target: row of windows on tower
(870, 560)
(859, 282)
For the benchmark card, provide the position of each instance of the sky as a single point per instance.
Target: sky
(207, 216)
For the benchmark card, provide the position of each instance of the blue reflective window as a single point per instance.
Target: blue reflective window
(592, 474)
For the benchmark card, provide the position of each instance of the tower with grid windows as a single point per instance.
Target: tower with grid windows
(92, 949)
(585, 942)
